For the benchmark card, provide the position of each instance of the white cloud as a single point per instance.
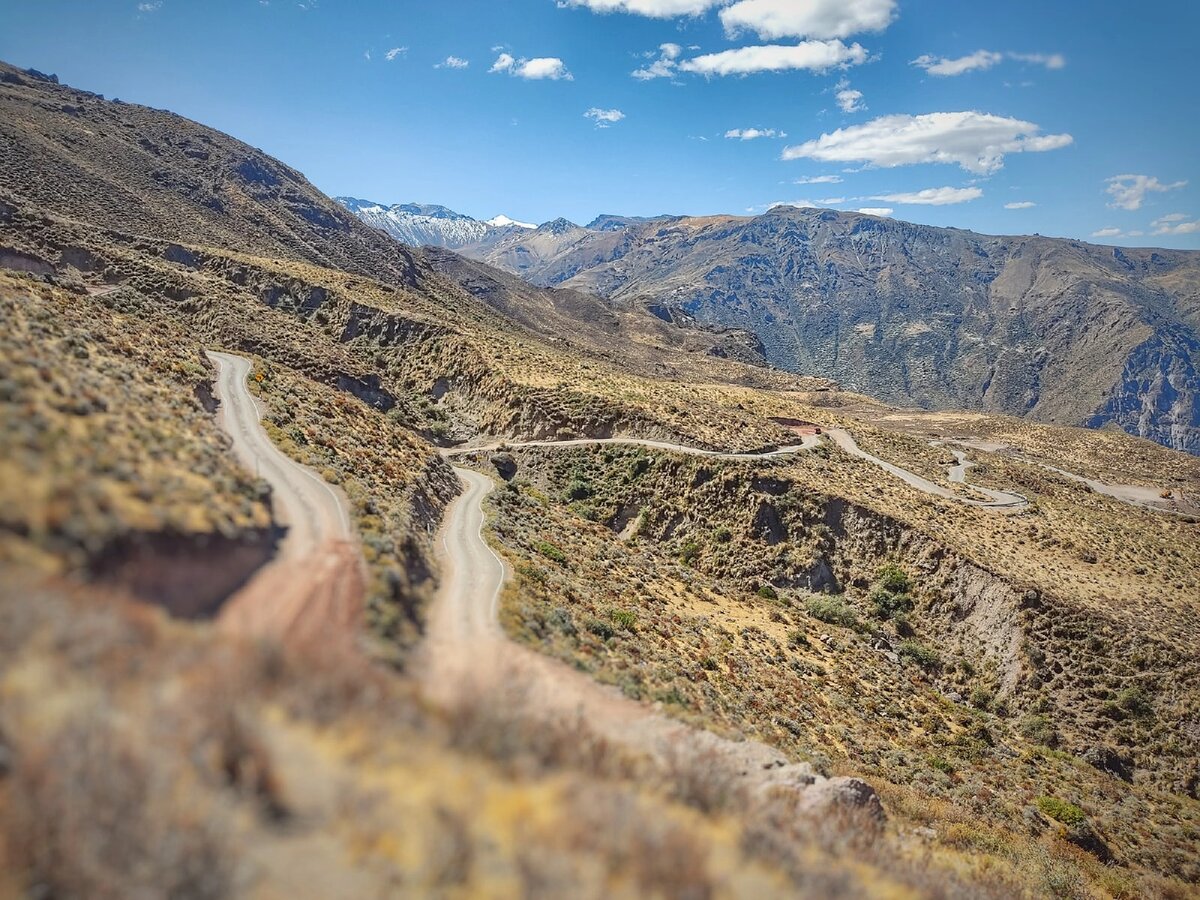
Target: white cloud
(819, 179)
(1049, 60)
(1175, 223)
(877, 210)
(816, 56)
(1106, 232)
(848, 99)
(750, 134)
(976, 141)
(663, 67)
(656, 9)
(1128, 191)
(394, 52)
(550, 67)
(151, 7)
(1020, 204)
(604, 117)
(980, 59)
(453, 62)
(984, 59)
(942, 196)
(775, 19)
(367, 55)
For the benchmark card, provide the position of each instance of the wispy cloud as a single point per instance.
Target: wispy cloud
(543, 67)
(815, 56)
(984, 59)
(1175, 223)
(663, 67)
(942, 196)
(152, 6)
(848, 99)
(977, 142)
(752, 134)
(394, 52)
(819, 179)
(453, 62)
(604, 117)
(1020, 204)
(1129, 191)
(877, 210)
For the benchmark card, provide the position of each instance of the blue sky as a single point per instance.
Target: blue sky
(964, 112)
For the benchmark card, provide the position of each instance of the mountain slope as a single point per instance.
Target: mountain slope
(989, 673)
(1054, 330)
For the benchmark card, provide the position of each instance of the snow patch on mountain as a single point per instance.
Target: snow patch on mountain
(427, 224)
(505, 222)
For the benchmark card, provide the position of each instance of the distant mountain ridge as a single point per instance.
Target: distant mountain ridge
(427, 224)
(1052, 329)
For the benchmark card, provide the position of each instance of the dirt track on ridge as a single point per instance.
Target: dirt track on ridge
(314, 587)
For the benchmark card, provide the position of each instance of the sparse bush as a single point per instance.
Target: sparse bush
(1039, 730)
(601, 629)
(689, 552)
(768, 593)
(890, 597)
(798, 639)
(552, 552)
(722, 535)
(1061, 811)
(832, 610)
(925, 657)
(624, 619)
(893, 579)
(578, 489)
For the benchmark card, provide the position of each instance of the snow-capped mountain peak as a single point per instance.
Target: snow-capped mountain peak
(506, 222)
(420, 224)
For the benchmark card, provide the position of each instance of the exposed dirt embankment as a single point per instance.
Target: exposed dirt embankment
(190, 576)
(968, 609)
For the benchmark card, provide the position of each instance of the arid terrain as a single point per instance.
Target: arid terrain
(335, 567)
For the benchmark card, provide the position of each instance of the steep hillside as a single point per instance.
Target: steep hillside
(1055, 330)
(1019, 686)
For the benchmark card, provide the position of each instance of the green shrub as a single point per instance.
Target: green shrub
(1135, 701)
(623, 618)
(942, 765)
(578, 489)
(768, 593)
(1039, 730)
(600, 628)
(798, 639)
(832, 611)
(888, 605)
(925, 657)
(890, 597)
(551, 552)
(722, 535)
(688, 553)
(981, 697)
(893, 579)
(1061, 811)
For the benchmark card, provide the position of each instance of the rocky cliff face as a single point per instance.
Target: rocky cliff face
(1055, 330)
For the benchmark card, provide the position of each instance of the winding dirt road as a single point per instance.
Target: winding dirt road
(1004, 501)
(1000, 500)
(808, 442)
(467, 658)
(314, 587)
